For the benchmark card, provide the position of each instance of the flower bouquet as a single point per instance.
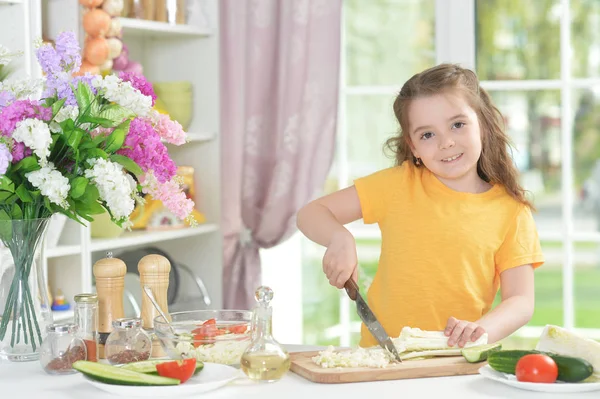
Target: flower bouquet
(79, 145)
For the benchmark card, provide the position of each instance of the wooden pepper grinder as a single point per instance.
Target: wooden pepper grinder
(110, 283)
(154, 272)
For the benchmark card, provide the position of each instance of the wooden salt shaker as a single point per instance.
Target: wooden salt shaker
(110, 284)
(154, 272)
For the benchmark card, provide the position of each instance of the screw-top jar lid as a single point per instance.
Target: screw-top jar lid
(62, 328)
(128, 322)
(86, 298)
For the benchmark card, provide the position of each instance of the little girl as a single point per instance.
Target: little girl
(455, 223)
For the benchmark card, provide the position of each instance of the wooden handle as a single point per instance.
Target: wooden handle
(154, 272)
(110, 283)
(351, 288)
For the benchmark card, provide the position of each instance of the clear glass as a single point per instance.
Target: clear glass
(370, 122)
(532, 120)
(388, 41)
(61, 348)
(518, 39)
(128, 342)
(265, 360)
(586, 159)
(86, 319)
(587, 284)
(24, 304)
(585, 38)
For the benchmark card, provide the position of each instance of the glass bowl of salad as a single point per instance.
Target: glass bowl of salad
(213, 336)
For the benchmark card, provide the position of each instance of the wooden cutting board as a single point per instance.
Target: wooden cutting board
(434, 367)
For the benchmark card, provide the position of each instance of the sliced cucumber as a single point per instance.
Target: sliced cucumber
(118, 376)
(149, 366)
(480, 353)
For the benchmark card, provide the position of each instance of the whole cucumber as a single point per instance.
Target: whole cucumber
(570, 369)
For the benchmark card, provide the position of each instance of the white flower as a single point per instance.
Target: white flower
(6, 56)
(35, 134)
(52, 184)
(66, 112)
(24, 89)
(123, 93)
(113, 186)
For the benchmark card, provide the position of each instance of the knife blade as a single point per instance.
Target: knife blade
(373, 325)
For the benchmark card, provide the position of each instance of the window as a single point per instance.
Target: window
(551, 102)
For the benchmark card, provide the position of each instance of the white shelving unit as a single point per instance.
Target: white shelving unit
(167, 53)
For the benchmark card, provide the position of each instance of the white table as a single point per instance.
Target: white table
(28, 380)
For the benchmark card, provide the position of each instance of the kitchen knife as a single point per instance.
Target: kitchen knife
(367, 316)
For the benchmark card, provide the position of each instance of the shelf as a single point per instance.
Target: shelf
(62, 315)
(62, 250)
(197, 137)
(141, 28)
(129, 239)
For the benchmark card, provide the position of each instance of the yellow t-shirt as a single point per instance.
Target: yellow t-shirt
(442, 251)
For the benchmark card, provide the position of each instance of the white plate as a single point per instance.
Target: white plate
(511, 380)
(212, 376)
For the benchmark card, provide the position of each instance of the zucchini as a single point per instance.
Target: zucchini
(149, 366)
(570, 369)
(118, 376)
(479, 353)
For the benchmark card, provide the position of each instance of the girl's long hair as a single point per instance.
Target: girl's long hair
(495, 164)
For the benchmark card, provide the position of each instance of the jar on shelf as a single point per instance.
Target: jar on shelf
(143, 9)
(61, 348)
(128, 342)
(86, 319)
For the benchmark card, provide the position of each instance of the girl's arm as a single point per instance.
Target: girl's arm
(323, 218)
(322, 221)
(515, 310)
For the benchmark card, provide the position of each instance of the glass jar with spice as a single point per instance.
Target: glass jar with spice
(128, 342)
(61, 348)
(86, 318)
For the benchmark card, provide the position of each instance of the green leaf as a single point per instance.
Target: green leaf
(6, 184)
(116, 139)
(95, 142)
(67, 125)
(84, 97)
(16, 212)
(127, 163)
(116, 113)
(96, 153)
(73, 137)
(97, 121)
(78, 186)
(57, 106)
(91, 194)
(48, 205)
(4, 195)
(95, 208)
(27, 165)
(23, 194)
(5, 226)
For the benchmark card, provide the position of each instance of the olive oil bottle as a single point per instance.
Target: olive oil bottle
(265, 360)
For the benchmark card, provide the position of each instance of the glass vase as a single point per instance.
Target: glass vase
(24, 305)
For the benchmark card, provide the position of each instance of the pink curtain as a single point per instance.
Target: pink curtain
(279, 94)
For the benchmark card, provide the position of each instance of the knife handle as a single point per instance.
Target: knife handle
(351, 288)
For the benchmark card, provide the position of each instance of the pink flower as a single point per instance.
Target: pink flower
(170, 130)
(139, 82)
(19, 151)
(20, 110)
(169, 193)
(144, 147)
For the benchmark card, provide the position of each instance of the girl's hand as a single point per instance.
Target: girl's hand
(462, 331)
(340, 260)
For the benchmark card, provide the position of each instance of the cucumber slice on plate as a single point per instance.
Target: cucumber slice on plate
(118, 376)
(149, 366)
(479, 353)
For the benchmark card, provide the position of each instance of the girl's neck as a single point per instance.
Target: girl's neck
(467, 184)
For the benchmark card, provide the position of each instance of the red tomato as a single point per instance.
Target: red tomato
(536, 368)
(179, 369)
(237, 329)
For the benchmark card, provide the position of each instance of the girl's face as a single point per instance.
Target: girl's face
(445, 135)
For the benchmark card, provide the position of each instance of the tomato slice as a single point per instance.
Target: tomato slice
(179, 369)
(237, 329)
(536, 368)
